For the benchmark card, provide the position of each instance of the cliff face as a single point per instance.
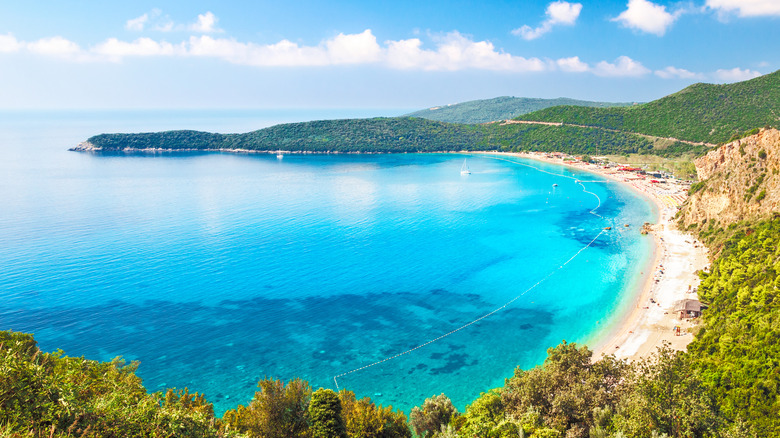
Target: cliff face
(739, 180)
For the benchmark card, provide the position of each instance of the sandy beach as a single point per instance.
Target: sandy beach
(652, 318)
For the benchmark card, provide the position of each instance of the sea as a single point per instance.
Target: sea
(391, 275)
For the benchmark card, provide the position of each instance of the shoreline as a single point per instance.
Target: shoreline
(670, 276)
(86, 146)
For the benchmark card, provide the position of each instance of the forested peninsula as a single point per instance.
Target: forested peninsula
(387, 135)
(727, 384)
(687, 122)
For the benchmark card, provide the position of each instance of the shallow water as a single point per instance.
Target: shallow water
(215, 270)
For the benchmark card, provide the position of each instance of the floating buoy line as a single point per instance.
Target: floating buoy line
(508, 303)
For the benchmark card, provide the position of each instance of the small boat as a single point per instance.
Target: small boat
(464, 170)
(279, 155)
(555, 185)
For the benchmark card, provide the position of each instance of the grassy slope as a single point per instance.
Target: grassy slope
(701, 112)
(499, 108)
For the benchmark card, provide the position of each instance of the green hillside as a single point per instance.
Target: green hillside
(499, 108)
(398, 135)
(701, 112)
(738, 350)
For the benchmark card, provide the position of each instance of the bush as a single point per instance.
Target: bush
(325, 415)
(276, 411)
(364, 419)
(695, 187)
(436, 412)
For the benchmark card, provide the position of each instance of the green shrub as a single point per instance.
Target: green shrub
(325, 415)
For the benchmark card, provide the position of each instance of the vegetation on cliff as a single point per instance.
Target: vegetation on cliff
(701, 112)
(739, 181)
(499, 108)
(738, 350)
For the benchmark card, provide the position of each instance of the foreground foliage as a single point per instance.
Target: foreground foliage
(52, 395)
(48, 394)
(571, 396)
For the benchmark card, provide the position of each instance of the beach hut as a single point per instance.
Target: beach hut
(688, 309)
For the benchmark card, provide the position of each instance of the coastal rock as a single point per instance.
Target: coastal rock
(737, 181)
(85, 146)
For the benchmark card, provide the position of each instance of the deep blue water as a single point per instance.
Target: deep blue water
(215, 270)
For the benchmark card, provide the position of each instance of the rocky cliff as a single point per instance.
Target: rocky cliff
(737, 181)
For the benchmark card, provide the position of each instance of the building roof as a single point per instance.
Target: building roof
(689, 306)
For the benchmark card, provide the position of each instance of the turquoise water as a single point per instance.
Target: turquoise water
(216, 270)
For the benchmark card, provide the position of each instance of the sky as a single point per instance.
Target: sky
(88, 54)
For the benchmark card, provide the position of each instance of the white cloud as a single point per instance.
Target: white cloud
(561, 12)
(408, 54)
(115, 49)
(622, 67)
(283, 53)
(558, 12)
(343, 49)
(736, 74)
(9, 43)
(529, 33)
(456, 52)
(206, 23)
(166, 25)
(453, 52)
(572, 64)
(55, 46)
(138, 23)
(152, 17)
(747, 8)
(353, 49)
(449, 52)
(647, 16)
(157, 21)
(677, 73)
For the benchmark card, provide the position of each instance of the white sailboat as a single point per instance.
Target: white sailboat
(279, 155)
(464, 170)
